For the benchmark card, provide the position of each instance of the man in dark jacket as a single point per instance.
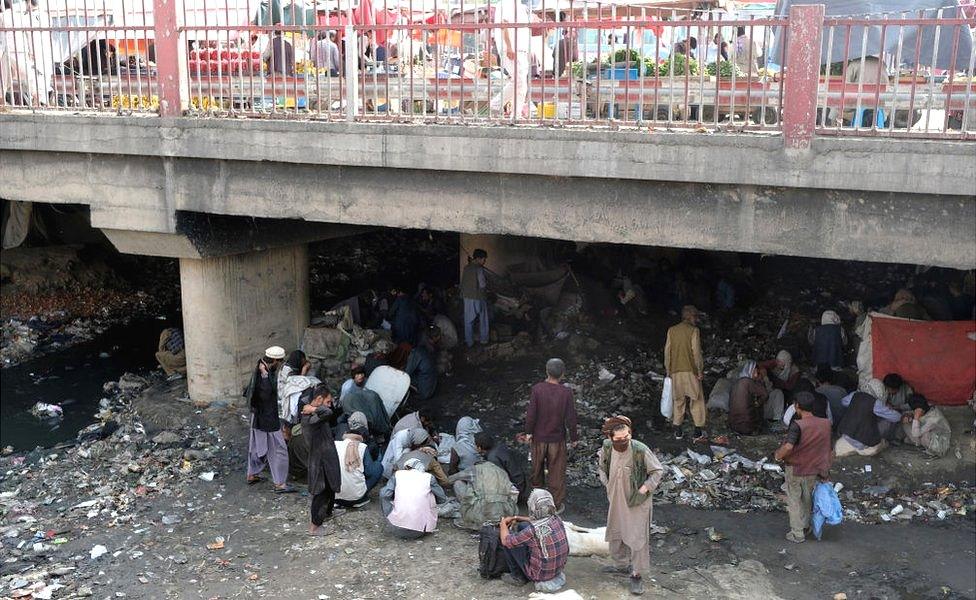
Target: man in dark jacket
(324, 478)
(405, 318)
(266, 445)
(500, 455)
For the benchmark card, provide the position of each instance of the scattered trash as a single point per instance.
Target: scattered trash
(207, 476)
(43, 410)
(714, 535)
(97, 550)
(217, 544)
(166, 437)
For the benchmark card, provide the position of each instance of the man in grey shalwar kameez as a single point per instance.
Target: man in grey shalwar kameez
(631, 473)
(266, 445)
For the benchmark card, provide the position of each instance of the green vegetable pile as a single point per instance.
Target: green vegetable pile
(679, 63)
(624, 55)
(725, 69)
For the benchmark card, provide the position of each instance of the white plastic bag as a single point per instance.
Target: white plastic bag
(667, 399)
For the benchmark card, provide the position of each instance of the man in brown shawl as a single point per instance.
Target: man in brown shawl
(631, 473)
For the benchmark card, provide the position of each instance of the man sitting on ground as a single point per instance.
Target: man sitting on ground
(360, 471)
(421, 449)
(409, 501)
(421, 418)
(867, 422)
(499, 454)
(364, 400)
(485, 493)
(536, 548)
(827, 385)
(926, 426)
(423, 373)
(897, 391)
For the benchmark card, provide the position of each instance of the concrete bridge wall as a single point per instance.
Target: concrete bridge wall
(236, 201)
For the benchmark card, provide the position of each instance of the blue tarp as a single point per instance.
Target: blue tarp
(908, 36)
(826, 508)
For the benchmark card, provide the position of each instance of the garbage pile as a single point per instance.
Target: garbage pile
(52, 496)
(333, 343)
(720, 476)
(24, 338)
(882, 504)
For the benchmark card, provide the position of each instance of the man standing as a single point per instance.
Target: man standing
(325, 53)
(266, 445)
(807, 454)
(685, 366)
(551, 413)
(473, 287)
(324, 477)
(631, 473)
(513, 49)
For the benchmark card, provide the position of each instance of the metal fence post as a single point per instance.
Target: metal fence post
(802, 75)
(171, 71)
(352, 64)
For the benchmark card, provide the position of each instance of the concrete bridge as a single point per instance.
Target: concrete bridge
(237, 201)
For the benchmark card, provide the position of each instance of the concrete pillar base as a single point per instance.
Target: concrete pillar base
(233, 308)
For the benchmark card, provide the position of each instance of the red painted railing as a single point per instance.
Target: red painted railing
(571, 63)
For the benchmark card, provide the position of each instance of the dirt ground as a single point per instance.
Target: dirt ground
(146, 503)
(157, 538)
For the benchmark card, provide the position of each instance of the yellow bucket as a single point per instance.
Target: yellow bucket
(548, 110)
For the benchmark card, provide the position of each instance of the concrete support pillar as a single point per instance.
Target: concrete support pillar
(233, 308)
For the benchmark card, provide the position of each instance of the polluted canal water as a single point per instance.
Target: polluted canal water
(72, 378)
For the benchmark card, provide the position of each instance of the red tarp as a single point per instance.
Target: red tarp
(935, 357)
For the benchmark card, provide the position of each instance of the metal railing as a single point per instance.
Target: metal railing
(565, 63)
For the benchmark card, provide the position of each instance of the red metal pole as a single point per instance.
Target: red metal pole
(168, 57)
(802, 75)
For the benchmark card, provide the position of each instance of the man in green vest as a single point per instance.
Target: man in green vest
(631, 473)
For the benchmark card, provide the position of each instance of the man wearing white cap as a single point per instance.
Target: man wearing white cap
(267, 443)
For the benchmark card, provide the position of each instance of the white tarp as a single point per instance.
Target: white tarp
(391, 385)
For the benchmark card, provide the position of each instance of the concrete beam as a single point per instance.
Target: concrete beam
(924, 229)
(209, 236)
(834, 163)
(149, 243)
(233, 308)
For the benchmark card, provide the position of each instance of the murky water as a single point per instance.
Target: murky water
(72, 378)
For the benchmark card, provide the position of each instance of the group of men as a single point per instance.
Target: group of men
(344, 447)
(350, 445)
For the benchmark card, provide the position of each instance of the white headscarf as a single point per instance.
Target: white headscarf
(876, 388)
(467, 428)
(541, 504)
(541, 508)
(787, 369)
(748, 369)
(399, 444)
(829, 317)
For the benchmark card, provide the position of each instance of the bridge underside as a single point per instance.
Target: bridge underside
(237, 202)
(144, 194)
